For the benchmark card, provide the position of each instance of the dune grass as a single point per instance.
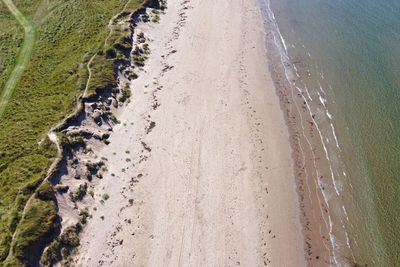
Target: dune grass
(68, 35)
(11, 39)
(24, 54)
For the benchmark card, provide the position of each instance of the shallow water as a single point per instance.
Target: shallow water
(347, 54)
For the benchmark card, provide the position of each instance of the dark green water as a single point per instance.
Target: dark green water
(347, 52)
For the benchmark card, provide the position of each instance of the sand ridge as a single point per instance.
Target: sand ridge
(199, 170)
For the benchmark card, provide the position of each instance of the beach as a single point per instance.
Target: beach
(200, 169)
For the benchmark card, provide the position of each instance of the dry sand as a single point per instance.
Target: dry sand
(209, 176)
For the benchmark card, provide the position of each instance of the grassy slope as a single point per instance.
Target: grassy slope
(11, 38)
(69, 33)
(24, 55)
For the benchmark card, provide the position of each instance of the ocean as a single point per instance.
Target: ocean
(343, 57)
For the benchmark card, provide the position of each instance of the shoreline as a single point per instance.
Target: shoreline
(136, 134)
(318, 247)
(325, 241)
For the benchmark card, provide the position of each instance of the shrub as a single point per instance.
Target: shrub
(51, 255)
(126, 94)
(84, 215)
(114, 119)
(133, 76)
(70, 236)
(81, 192)
(156, 18)
(110, 53)
(45, 191)
(146, 49)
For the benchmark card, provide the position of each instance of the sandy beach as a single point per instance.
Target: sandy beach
(200, 169)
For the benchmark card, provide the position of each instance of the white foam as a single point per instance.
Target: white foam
(282, 46)
(322, 89)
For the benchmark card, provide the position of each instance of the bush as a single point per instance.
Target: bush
(110, 53)
(126, 94)
(45, 191)
(81, 192)
(114, 119)
(51, 255)
(156, 18)
(70, 237)
(132, 76)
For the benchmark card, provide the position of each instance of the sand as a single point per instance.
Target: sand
(200, 171)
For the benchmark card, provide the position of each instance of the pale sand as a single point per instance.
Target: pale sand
(217, 187)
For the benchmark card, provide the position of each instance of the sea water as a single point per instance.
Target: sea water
(347, 55)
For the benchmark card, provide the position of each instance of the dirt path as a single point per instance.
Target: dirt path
(199, 170)
(24, 54)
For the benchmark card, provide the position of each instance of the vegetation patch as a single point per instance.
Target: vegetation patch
(39, 219)
(11, 38)
(60, 249)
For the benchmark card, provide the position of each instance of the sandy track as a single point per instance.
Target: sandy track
(211, 184)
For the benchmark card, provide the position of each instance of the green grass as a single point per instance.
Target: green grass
(68, 35)
(24, 55)
(38, 220)
(11, 39)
